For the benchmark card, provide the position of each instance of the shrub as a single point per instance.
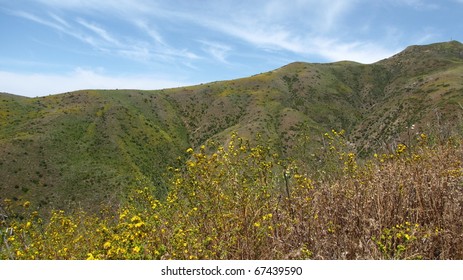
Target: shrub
(242, 201)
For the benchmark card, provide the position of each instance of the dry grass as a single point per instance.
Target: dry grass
(405, 207)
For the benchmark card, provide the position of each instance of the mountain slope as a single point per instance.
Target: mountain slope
(85, 147)
(90, 146)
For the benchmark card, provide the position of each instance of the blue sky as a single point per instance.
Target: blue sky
(55, 46)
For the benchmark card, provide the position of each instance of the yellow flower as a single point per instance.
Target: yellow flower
(107, 245)
(257, 224)
(135, 219)
(268, 216)
(189, 150)
(401, 148)
(139, 224)
(136, 249)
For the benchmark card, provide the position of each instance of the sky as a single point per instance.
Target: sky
(56, 46)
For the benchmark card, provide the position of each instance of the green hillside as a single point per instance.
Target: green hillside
(87, 148)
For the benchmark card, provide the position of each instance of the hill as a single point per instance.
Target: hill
(87, 147)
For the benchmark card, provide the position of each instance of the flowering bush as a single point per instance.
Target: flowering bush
(242, 201)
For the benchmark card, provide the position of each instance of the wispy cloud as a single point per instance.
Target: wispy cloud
(358, 51)
(102, 39)
(60, 20)
(319, 29)
(150, 31)
(217, 51)
(58, 24)
(160, 48)
(272, 29)
(55, 25)
(319, 15)
(102, 33)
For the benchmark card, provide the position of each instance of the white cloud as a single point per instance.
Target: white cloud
(269, 25)
(218, 51)
(103, 40)
(363, 52)
(331, 13)
(306, 28)
(150, 30)
(60, 20)
(33, 85)
(161, 49)
(102, 33)
(320, 15)
(58, 24)
(34, 18)
(304, 42)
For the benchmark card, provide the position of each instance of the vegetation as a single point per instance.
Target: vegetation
(83, 149)
(163, 174)
(245, 202)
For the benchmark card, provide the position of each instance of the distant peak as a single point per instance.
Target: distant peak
(437, 47)
(444, 50)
